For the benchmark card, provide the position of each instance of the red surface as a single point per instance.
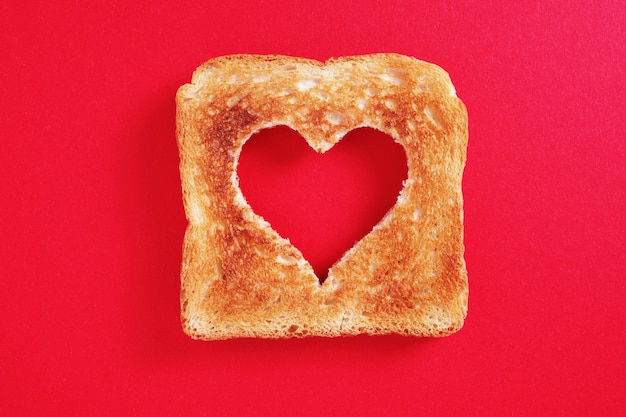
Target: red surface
(92, 222)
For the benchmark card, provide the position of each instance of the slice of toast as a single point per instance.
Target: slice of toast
(240, 278)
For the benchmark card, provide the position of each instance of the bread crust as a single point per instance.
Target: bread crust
(240, 278)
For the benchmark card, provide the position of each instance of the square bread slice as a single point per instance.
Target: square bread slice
(240, 278)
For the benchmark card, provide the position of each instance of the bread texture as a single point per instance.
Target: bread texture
(240, 278)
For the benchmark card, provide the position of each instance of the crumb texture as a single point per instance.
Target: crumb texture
(240, 278)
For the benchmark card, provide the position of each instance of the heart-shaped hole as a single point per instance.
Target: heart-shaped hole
(323, 203)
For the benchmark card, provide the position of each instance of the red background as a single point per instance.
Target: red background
(91, 218)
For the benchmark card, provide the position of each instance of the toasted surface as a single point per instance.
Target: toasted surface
(240, 278)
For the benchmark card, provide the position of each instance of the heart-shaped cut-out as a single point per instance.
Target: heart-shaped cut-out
(323, 203)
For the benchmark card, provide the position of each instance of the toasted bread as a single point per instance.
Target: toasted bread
(240, 278)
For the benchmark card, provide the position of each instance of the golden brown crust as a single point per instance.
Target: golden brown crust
(241, 279)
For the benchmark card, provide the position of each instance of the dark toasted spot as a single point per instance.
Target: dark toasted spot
(229, 124)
